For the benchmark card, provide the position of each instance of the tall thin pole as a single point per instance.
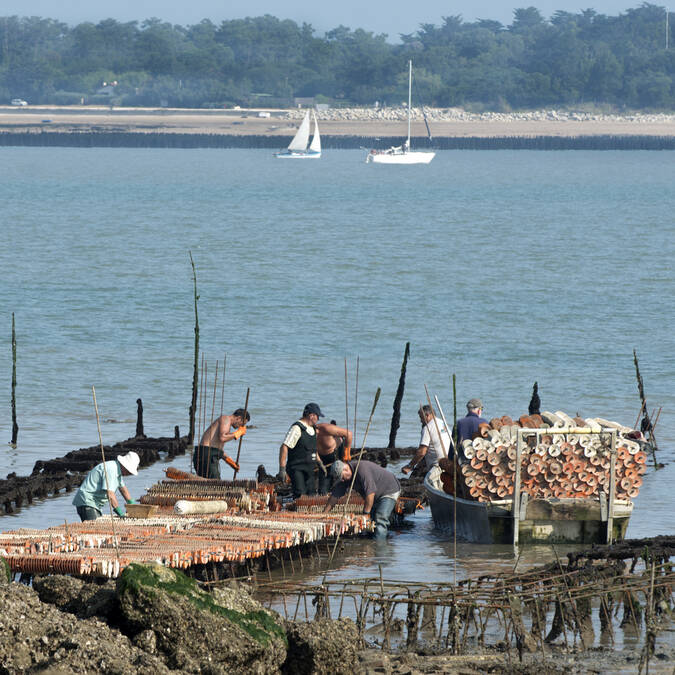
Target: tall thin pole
(105, 473)
(409, 97)
(356, 468)
(15, 426)
(215, 387)
(199, 416)
(241, 438)
(454, 496)
(346, 398)
(667, 29)
(195, 372)
(356, 400)
(222, 391)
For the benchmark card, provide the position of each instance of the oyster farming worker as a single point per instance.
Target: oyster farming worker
(100, 485)
(207, 455)
(378, 487)
(468, 426)
(297, 454)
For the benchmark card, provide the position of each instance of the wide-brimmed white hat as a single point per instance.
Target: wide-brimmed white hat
(130, 462)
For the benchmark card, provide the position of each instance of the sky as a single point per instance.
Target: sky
(379, 16)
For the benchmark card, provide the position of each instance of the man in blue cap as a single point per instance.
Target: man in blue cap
(297, 454)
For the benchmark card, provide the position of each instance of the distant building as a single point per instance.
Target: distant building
(303, 101)
(108, 89)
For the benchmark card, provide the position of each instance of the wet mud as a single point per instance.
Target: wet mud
(156, 620)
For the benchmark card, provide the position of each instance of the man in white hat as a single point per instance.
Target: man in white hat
(100, 486)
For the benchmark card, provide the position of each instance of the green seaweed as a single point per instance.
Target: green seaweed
(7, 570)
(259, 624)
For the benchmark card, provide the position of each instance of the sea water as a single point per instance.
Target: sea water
(501, 267)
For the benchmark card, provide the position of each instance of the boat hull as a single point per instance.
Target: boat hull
(571, 521)
(285, 154)
(401, 158)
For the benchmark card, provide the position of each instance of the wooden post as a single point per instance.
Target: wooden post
(396, 416)
(139, 419)
(195, 372)
(15, 426)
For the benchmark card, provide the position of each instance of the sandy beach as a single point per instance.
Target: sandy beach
(447, 123)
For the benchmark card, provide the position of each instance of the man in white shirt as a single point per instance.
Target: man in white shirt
(435, 441)
(297, 454)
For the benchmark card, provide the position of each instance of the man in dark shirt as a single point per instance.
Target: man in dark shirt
(297, 454)
(468, 426)
(378, 487)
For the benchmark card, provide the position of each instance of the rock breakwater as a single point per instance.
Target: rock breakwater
(400, 114)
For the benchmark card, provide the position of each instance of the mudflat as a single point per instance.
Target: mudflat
(448, 123)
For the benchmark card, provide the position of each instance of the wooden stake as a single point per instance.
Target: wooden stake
(15, 426)
(396, 416)
(195, 373)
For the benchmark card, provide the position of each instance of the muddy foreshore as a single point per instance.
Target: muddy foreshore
(446, 123)
(156, 620)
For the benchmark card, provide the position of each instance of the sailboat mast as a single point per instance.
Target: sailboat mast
(409, 97)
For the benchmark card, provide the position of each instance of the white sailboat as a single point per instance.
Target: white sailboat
(300, 147)
(402, 154)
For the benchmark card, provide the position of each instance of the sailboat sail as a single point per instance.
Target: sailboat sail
(315, 145)
(301, 138)
(298, 147)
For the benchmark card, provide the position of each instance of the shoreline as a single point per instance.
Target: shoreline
(335, 124)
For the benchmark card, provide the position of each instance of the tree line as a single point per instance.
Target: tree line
(572, 59)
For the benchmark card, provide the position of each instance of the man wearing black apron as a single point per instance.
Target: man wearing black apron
(297, 454)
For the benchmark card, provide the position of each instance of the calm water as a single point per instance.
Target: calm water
(502, 267)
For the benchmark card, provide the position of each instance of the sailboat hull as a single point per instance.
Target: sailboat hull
(400, 158)
(290, 154)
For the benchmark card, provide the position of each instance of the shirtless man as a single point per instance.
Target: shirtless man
(209, 452)
(328, 443)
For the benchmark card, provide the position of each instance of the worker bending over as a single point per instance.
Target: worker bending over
(100, 485)
(378, 487)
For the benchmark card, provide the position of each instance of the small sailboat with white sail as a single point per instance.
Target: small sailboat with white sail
(402, 154)
(300, 147)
